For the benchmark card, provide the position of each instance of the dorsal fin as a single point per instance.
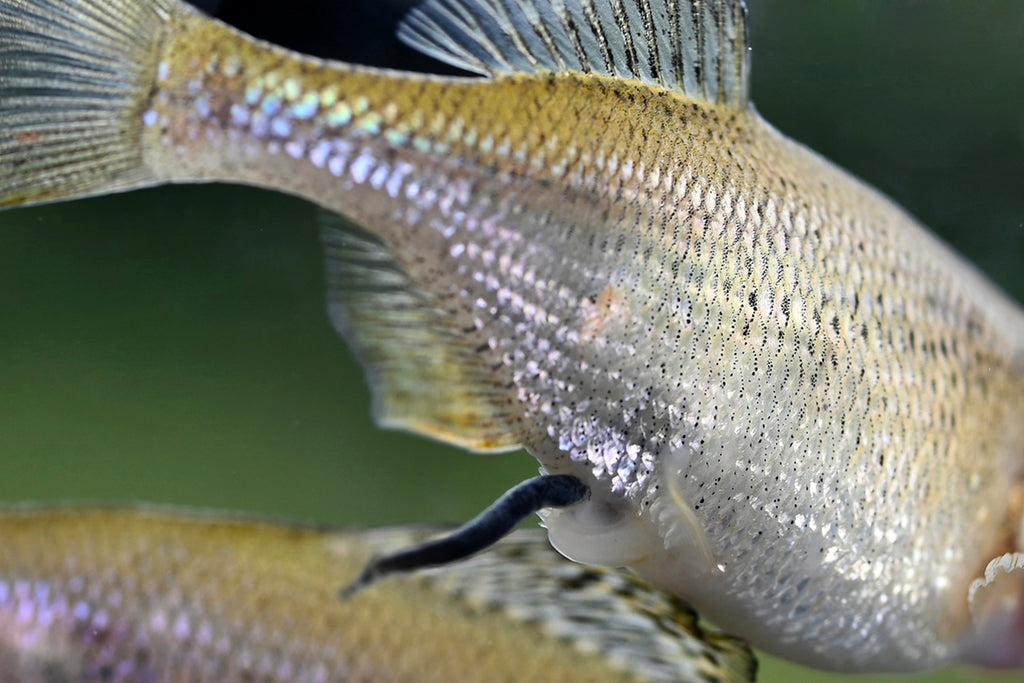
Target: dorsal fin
(425, 377)
(694, 47)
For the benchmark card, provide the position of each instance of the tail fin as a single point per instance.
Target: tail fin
(74, 79)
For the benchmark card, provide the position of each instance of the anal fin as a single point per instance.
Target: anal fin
(426, 375)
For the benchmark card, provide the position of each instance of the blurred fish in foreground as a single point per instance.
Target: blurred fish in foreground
(162, 595)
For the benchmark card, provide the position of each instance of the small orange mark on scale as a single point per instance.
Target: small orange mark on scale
(27, 138)
(608, 306)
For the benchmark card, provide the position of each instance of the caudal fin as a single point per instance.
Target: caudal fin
(74, 79)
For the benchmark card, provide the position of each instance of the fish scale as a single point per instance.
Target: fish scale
(767, 375)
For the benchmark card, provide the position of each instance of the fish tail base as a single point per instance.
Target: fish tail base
(75, 77)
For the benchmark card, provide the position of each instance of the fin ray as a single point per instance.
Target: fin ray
(425, 376)
(73, 79)
(695, 47)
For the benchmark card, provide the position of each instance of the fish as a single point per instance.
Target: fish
(746, 375)
(162, 594)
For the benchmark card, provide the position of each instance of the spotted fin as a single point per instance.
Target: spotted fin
(997, 609)
(649, 633)
(425, 377)
(696, 48)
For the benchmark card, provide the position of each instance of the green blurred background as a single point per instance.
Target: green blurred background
(171, 345)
